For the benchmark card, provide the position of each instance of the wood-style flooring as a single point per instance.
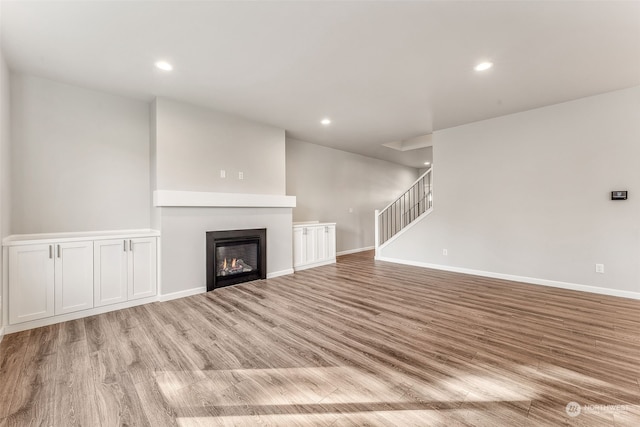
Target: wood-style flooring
(356, 343)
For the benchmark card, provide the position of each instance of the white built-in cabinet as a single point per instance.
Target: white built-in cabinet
(142, 268)
(110, 273)
(124, 269)
(314, 244)
(54, 277)
(49, 279)
(31, 282)
(73, 277)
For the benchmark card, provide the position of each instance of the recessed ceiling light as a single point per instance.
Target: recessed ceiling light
(483, 66)
(427, 163)
(164, 66)
(325, 122)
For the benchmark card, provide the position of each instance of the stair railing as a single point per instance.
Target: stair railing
(412, 204)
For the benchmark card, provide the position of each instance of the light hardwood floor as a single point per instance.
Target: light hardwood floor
(357, 343)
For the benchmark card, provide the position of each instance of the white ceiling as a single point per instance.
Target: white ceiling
(383, 71)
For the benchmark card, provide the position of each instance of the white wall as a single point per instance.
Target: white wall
(328, 182)
(5, 183)
(155, 212)
(80, 159)
(529, 195)
(194, 143)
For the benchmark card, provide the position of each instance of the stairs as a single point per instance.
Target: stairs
(412, 205)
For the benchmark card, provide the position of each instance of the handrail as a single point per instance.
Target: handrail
(405, 209)
(428, 171)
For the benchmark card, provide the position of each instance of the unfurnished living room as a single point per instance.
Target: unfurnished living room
(319, 213)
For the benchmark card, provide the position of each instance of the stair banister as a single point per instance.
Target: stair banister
(412, 204)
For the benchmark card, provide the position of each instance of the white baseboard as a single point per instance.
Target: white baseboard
(77, 315)
(523, 279)
(315, 264)
(279, 273)
(182, 294)
(203, 289)
(355, 251)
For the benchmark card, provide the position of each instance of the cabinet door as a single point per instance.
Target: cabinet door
(142, 268)
(321, 243)
(110, 272)
(310, 245)
(299, 243)
(331, 241)
(73, 277)
(326, 242)
(31, 278)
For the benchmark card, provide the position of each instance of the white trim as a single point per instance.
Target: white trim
(376, 231)
(159, 268)
(275, 274)
(514, 278)
(169, 198)
(1, 334)
(182, 294)
(312, 224)
(355, 251)
(5, 287)
(77, 315)
(29, 239)
(203, 289)
(315, 264)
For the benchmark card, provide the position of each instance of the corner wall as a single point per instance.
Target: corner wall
(528, 195)
(336, 186)
(189, 147)
(5, 172)
(184, 243)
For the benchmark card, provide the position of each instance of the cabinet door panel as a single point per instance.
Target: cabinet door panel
(311, 250)
(298, 246)
(73, 277)
(321, 243)
(31, 277)
(142, 268)
(110, 271)
(331, 242)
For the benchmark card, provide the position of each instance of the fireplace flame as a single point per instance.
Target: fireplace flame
(233, 263)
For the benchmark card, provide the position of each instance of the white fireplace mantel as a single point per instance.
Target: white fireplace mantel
(171, 198)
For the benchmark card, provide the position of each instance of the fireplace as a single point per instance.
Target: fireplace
(236, 256)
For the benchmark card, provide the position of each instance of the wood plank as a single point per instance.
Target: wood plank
(74, 394)
(33, 398)
(12, 355)
(116, 398)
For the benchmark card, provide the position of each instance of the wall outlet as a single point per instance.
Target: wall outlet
(445, 252)
(350, 210)
(240, 175)
(600, 268)
(223, 173)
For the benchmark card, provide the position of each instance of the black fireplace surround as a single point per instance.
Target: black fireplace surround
(236, 256)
